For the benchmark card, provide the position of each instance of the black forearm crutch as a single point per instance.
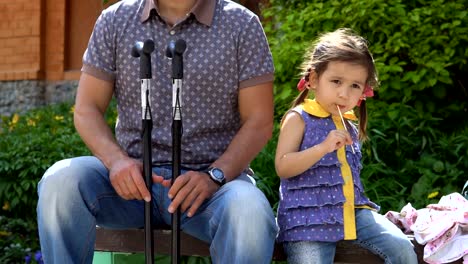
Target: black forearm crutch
(143, 51)
(174, 50)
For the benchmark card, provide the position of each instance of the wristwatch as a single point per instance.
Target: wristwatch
(217, 175)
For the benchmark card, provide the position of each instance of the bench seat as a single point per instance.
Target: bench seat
(132, 240)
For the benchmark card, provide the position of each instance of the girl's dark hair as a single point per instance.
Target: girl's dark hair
(340, 45)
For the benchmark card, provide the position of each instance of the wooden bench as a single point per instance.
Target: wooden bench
(132, 240)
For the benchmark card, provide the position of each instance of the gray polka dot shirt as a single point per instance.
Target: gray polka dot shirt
(226, 51)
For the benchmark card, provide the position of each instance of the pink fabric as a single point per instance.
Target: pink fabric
(442, 228)
(404, 219)
(449, 247)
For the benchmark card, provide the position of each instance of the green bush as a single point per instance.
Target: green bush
(418, 138)
(18, 240)
(409, 160)
(29, 144)
(265, 174)
(419, 46)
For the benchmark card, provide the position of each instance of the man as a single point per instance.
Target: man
(227, 119)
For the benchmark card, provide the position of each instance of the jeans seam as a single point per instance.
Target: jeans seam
(83, 253)
(160, 195)
(214, 254)
(374, 250)
(92, 206)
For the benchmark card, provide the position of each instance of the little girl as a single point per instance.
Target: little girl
(322, 199)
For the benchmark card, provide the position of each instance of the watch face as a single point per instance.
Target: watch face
(217, 174)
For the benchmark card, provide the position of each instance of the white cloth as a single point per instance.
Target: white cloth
(441, 227)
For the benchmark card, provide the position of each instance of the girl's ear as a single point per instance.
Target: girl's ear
(313, 80)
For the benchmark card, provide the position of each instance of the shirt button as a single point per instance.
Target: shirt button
(172, 32)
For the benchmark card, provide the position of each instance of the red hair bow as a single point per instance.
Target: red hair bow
(368, 92)
(301, 84)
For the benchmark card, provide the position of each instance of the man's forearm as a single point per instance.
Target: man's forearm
(256, 112)
(244, 147)
(97, 135)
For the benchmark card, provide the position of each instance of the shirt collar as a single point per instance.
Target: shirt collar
(312, 107)
(203, 10)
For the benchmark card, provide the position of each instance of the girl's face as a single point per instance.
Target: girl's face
(341, 84)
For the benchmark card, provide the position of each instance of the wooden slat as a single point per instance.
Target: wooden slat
(132, 240)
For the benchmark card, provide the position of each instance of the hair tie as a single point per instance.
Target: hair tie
(368, 92)
(301, 84)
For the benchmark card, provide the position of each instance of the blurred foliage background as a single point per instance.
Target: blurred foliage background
(418, 148)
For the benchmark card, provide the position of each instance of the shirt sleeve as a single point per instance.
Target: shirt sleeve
(254, 55)
(99, 57)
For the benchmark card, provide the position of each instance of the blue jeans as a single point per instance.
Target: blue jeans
(374, 232)
(75, 195)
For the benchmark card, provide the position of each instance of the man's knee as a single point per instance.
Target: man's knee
(248, 211)
(65, 178)
(247, 201)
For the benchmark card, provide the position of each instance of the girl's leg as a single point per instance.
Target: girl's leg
(310, 252)
(382, 237)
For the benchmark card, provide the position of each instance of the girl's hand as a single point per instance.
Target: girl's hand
(336, 139)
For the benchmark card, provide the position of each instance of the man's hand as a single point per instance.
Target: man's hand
(190, 190)
(126, 178)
